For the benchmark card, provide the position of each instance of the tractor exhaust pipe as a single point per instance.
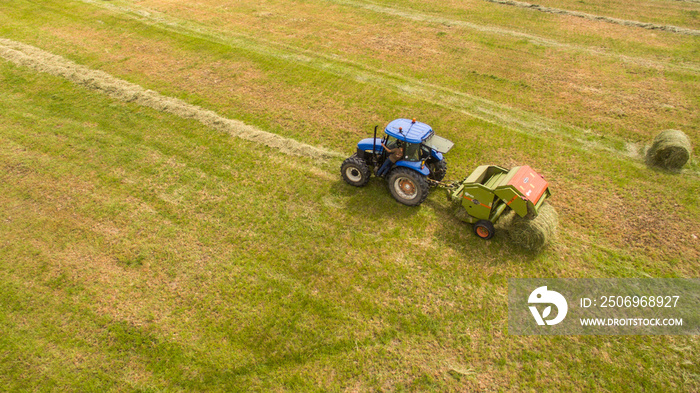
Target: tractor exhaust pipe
(374, 146)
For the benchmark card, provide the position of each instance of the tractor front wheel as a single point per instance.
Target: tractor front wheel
(355, 171)
(484, 229)
(408, 186)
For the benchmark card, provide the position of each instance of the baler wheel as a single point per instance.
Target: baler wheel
(484, 229)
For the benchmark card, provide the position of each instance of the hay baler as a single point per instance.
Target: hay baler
(488, 192)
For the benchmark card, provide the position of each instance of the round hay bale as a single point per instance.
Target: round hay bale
(670, 150)
(534, 234)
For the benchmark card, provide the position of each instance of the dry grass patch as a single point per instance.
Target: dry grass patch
(600, 18)
(506, 84)
(681, 13)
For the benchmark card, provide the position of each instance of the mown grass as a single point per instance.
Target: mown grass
(145, 252)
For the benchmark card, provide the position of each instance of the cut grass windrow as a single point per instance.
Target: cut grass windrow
(516, 120)
(622, 22)
(29, 56)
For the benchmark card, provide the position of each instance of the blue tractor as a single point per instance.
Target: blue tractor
(410, 178)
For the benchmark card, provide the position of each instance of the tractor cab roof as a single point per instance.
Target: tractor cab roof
(408, 130)
(412, 131)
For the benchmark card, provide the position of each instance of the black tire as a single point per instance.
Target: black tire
(484, 229)
(355, 171)
(438, 170)
(408, 186)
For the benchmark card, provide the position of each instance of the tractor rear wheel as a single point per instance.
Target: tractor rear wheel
(484, 229)
(355, 171)
(408, 186)
(438, 170)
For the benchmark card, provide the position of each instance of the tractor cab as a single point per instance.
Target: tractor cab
(420, 141)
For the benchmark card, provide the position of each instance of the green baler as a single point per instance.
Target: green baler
(490, 191)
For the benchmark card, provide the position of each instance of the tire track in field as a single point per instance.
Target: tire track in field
(516, 120)
(537, 40)
(39, 60)
(623, 22)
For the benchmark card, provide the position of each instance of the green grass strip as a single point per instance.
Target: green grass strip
(37, 59)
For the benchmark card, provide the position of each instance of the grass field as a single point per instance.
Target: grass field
(145, 251)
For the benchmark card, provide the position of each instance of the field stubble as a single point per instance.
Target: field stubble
(189, 260)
